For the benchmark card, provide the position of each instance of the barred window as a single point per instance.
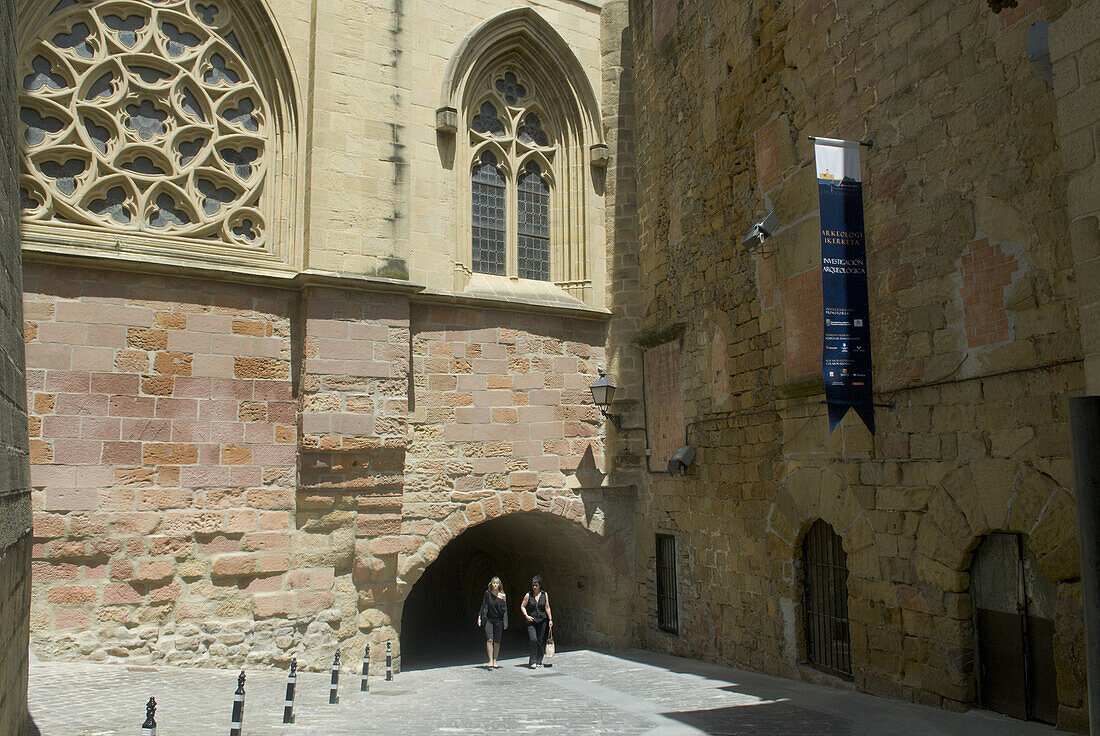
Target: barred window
(667, 618)
(513, 151)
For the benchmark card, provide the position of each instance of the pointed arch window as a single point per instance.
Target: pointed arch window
(512, 154)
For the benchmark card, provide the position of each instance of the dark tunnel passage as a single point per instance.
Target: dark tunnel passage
(439, 618)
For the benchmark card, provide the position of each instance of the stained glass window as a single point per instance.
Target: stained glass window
(533, 246)
(488, 216)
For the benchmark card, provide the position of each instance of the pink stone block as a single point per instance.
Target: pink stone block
(77, 452)
(68, 426)
(358, 425)
(227, 345)
(470, 383)
(62, 476)
(106, 336)
(246, 476)
(209, 454)
(471, 415)
(485, 367)
(94, 405)
(272, 391)
(71, 311)
(191, 388)
(132, 406)
(535, 413)
(268, 455)
(68, 381)
(218, 324)
(191, 431)
(218, 410)
(544, 462)
(282, 412)
(126, 384)
(259, 433)
(492, 398)
(49, 356)
(68, 333)
(224, 432)
(231, 388)
(204, 476)
(547, 430)
(212, 366)
(71, 499)
(147, 430)
(129, 316)
(93, 359)
(181, 341)
(100, 428)
(177, 408)
(544, 398)
(368, 368)
(365, 331)
(122, 453)
(36, 380)
(322, 328)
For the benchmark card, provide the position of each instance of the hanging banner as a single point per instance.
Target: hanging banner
(846, 359)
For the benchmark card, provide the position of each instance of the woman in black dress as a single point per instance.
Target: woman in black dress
(540, 619)
(494, 617)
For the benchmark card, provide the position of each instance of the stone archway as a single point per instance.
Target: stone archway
(581, 570)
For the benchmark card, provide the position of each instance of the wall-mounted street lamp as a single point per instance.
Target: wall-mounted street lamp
(603, 391)
(754, 240)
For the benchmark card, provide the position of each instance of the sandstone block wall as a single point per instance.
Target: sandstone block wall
(975, 333)
(15, 540)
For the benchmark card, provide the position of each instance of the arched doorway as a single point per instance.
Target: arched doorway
(1014, 626)
(438, 621)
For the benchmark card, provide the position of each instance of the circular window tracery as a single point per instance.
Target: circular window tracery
(144, 115)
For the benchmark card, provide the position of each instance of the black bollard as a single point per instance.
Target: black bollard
(389, 664)
(235, 725)
(364, 686)
(291, 682)
(333, 697)
(149, 728)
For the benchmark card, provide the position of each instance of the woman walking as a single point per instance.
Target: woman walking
(494, 617)
(540, 619)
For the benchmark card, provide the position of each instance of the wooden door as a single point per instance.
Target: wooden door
(1013, 606)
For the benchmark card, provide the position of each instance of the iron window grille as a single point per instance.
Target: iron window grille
(825, 601)
(667, 617)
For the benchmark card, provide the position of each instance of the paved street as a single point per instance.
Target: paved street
(620, 693)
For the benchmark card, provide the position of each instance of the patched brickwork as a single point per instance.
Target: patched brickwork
(802, 325)
(986, 271)
(664, 404)
(768, 168)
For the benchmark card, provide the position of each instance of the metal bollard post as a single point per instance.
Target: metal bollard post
(333, 696)
(291, 683)
(389, 664)
(149, 728)
(364, 686)
(235, 725)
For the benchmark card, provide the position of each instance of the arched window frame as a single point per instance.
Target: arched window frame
(513, 156)
(280, 201)
(523, 42)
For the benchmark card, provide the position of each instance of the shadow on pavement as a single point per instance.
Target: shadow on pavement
(763, 719)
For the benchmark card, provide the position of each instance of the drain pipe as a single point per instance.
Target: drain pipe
(1084, 423)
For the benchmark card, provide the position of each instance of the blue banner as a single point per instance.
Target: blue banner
(846, 358)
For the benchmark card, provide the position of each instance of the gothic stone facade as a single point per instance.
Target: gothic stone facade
(271, 381)
(980, 201)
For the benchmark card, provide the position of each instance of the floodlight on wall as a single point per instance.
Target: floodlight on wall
(681, 459)
(603, 393)
(754, 239)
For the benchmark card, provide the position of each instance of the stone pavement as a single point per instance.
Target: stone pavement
(585, 693)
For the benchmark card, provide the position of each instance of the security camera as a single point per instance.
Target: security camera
(754, 239)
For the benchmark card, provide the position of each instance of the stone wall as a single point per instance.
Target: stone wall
(974, 311)
(231, 474)
(15, 510)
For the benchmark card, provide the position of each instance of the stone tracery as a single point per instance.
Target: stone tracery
(143, 115)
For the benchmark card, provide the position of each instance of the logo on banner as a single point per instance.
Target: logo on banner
(846, 359)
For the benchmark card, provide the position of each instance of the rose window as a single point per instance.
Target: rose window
(144, 115)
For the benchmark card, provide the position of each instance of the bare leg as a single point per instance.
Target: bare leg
(489, 650)
(496, 653)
